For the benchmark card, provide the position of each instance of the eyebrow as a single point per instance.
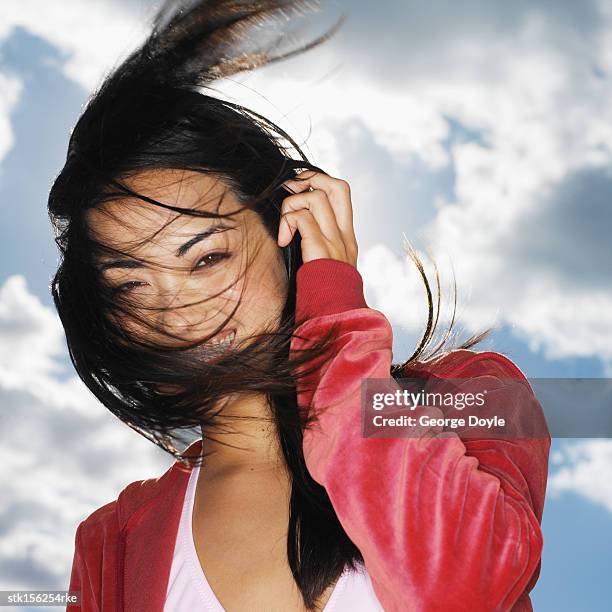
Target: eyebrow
(180, 252)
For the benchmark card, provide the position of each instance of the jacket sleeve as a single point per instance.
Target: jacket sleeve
(442, 525)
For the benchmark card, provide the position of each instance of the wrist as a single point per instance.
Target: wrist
(327, 286)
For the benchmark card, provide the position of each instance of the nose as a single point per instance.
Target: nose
(179, 321)
(177, 313)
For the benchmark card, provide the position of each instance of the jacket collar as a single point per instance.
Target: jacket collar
(149, 513)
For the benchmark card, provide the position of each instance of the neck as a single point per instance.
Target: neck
(246, 437)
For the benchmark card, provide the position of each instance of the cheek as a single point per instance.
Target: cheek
(233, 293)
(265, 290)
(272, 284)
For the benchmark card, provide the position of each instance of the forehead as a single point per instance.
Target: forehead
(124, 220)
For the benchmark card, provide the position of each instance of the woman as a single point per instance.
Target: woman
(205, 284)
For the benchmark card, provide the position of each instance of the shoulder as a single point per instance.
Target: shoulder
(99, 526)
(107, 520)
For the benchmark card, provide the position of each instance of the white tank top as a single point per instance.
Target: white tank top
(188, 588)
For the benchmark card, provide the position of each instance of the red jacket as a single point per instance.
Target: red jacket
(447, 526)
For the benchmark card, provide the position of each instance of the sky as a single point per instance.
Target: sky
(480, 130)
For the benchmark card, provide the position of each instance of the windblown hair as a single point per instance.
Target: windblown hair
(152, 112)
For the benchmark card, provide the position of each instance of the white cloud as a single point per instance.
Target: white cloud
(31, 335)
(389, 285)
(10, 90)
(583, 468)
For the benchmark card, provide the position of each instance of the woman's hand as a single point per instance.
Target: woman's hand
(323, 216)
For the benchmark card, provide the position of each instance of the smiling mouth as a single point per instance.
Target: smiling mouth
(223, 340)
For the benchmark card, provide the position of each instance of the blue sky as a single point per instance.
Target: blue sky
(481, 130)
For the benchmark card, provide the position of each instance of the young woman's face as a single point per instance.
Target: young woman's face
(180, 267)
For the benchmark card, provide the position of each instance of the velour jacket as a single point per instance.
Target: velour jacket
(444, 523)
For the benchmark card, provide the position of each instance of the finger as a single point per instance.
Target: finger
(314, 244)
(320, 207)
(338, 193)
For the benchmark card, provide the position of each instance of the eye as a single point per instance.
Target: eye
(126, 287)
(212, 259)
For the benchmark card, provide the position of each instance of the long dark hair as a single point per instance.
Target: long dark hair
(152, 112)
